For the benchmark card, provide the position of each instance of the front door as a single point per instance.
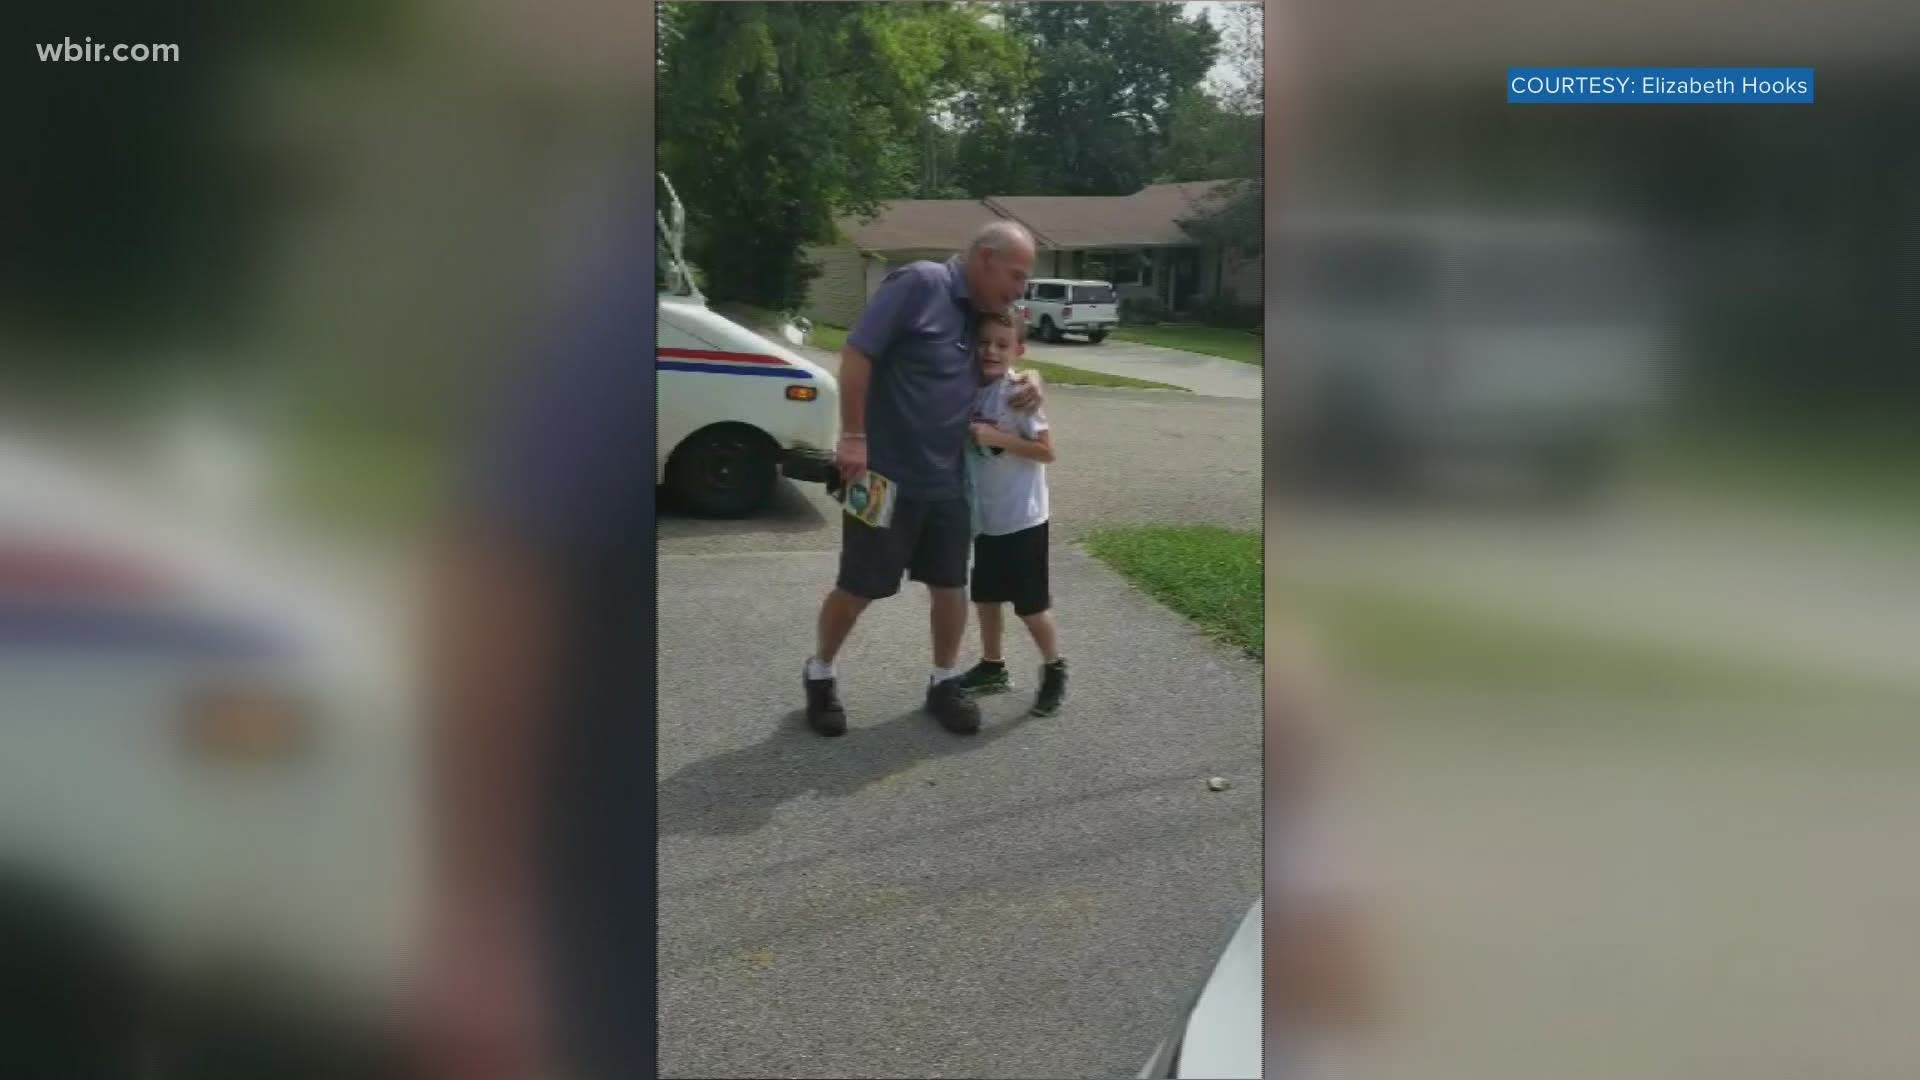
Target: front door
(1185, 279)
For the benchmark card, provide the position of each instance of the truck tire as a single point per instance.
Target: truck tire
(70, 985)
(725, 471)
(1049, 332)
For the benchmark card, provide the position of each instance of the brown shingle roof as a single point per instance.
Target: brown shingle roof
(1146, 218)
(906, 224)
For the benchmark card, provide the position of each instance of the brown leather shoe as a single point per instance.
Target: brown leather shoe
(825, 714)
(950, 705)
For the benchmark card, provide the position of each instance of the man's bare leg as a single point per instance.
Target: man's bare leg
(838, 614)
(947, 698)
(949, 618)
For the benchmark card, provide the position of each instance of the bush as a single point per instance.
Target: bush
(1221, 311)
(1142, 311)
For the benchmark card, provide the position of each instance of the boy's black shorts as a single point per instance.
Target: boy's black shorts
(927, 540)
(1012, 569)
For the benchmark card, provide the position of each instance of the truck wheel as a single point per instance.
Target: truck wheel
(724, 471)
(70, 985)
(1097, 336)
(1050, 332)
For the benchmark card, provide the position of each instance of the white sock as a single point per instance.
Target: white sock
(818, 670)
(942, 674)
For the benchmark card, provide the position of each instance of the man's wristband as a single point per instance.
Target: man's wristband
(860, 435)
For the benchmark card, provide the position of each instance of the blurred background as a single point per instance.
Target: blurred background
(1592, 436)
(251, 302)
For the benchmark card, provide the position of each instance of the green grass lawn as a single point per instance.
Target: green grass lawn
(1209, 574)
(363, 481)
(830, 338)
(1063, 375)
(1862, 471)
(1242, 346)
(1396, 638)
(1392, 638)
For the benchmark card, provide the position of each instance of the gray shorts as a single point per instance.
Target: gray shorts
(928, 541)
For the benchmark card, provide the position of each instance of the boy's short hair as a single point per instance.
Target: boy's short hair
(1009, 318)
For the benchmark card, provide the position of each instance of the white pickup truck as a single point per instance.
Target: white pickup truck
(736, 409)
(1423, 340)
(1056, 307)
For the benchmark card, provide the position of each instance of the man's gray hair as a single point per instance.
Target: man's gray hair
(998, 236)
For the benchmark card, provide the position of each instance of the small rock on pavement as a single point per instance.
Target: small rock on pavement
(1219, 783)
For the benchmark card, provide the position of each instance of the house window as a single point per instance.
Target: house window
(1123, 267)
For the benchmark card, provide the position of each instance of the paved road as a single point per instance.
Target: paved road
(1197, 372)
(1033, 902)
(1125, 456)
(1037, 901)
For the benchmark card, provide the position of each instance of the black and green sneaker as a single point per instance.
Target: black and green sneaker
(1053, 689)
(987, 677)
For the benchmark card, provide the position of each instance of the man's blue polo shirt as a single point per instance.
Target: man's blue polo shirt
(918, 330)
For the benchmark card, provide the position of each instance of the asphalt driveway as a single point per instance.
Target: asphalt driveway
(1125, 456)
(1040, 900)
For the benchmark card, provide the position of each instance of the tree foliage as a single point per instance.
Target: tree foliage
(1103, 82)
(777, 118)
(1243, 54)
(139, 199)
(1209, 142)
(1219, 135)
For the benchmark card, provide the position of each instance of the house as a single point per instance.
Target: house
(1134, 241)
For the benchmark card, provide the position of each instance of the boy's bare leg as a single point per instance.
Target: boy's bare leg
(992, 632)
(1044, 635)
(837, 615)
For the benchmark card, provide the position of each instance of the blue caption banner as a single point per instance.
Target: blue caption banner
(1659, 86)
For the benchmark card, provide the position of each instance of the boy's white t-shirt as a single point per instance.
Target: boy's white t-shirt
(1009, 491)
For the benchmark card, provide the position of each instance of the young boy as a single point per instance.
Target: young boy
(1008, 466)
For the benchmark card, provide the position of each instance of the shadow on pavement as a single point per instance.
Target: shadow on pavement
(788, 511)
(738, 791)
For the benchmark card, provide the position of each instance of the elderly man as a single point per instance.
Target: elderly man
(907, 382)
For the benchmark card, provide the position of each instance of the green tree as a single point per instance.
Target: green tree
(777, 118)
(1242, 58)
(1207, 141)
(1103, 82)
(1218, 135)
(991, 150)
(141, 199)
